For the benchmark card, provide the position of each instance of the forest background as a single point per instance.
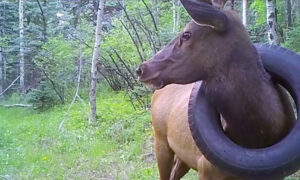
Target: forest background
(47, 130)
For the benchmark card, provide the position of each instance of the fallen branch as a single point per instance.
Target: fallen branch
(16, 105)
(9, 86)
(76, 96)
(4, 177)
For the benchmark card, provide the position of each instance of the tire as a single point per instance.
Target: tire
(275, 162)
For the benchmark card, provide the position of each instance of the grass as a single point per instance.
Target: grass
(32, 147)
(119, 146)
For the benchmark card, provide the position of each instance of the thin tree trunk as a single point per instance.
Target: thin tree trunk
(76, 96)
(93, 88)
(134, 29)
(232, 4)
(3, 54)
(271, 22)
(155, 10)
(21, 32)
(44, 21)
(176, 15)
(133, 40)
(59, 94)
(245, 9)
(295, 11)
(289, 13)
(1, 71)
(4, 68)
(154, 19)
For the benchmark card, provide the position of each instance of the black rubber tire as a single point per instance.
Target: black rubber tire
(275, 162)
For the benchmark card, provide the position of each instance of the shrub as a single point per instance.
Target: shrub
(43, 97)
(293, 39)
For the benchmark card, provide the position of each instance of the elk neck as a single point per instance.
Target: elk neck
(247, 99)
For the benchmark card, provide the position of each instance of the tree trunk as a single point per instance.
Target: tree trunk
(44, 21)
(295, 11)
(271, 22)
(21, 32)
(229, 4)
(245, 9)
(2, 82)
(3, 50)
(289, 13)
(1, 53)
(1, 71)
(176, 15)
(232, 4)
(93, 88)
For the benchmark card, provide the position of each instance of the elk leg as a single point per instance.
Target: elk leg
(164, 156)
(179, 169)
(203, 169)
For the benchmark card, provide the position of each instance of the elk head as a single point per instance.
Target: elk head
(207, 46)
(194, 54)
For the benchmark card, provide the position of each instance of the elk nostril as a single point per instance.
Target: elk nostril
(138, 71)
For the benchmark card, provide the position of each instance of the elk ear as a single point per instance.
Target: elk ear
(204, 13)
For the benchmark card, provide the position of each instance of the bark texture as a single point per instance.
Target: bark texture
(155, 4)
(1, 71)
(176, 15)
(232, 4)
(289, 13)
(296, 12)
(21, 32)
(3, 50)
(271, 22)
(93, 88)
(245, 10)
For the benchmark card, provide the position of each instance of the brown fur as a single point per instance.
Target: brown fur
(172, 136)
(256, 114)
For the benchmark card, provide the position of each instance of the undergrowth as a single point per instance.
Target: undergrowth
(32, 147)
(119, 146)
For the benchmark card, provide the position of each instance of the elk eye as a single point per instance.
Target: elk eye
(186, 36)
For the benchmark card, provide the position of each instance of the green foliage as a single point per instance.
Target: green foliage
(56, 58)
(259, 9)
(111, 40)
(257, 21)
(31, 146)
(15, 98)
(57, 63)
(116, 147)
(293, 39)
(43, 97)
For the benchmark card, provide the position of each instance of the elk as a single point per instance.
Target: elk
(215, 49)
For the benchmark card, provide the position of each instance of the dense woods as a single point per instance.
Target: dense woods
(60, 55)
(43, 43)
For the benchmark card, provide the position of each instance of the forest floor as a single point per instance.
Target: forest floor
(119, 146)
